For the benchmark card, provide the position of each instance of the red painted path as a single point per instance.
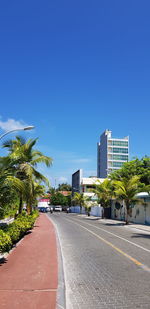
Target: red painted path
(29, 278)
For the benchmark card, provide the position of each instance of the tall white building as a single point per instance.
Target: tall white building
(112, 153)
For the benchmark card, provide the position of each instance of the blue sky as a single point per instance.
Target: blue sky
(73, 69)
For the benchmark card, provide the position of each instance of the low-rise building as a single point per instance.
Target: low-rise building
(84, 184)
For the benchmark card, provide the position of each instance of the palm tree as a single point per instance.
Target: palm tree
(9, 188)
(79, 199)
(23, 160)
(126, 190)
(88, 204)
(38, 190)
(104, 193)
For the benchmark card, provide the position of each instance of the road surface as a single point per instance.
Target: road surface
(106, 265)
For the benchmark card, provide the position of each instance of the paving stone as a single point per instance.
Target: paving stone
(96, 275)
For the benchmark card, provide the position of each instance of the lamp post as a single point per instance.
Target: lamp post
(22, 129)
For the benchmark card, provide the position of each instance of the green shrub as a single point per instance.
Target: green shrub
(13, 232)
(5, 242)
(35, 214)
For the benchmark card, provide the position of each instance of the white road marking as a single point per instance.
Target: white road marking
(130, 242)
(135, 261)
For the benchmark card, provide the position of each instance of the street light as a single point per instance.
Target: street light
(22, 129)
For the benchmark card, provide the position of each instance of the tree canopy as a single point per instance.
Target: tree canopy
(64, 187)
(132, 168)
(19, 170)
(58, 198)
(104, 193)
(126, 190)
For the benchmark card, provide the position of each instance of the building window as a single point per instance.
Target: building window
(119, 143)
(120, 150)
(118, 164)
(120, 157)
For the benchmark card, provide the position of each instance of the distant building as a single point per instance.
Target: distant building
(65, 193)
(84, 184)
(112, 153)
(76, 181)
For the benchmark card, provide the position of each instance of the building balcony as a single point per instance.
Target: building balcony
(115, 160)
(118, 153)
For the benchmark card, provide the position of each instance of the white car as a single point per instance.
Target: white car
(58, 208)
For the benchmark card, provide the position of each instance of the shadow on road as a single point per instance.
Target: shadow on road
(141, 235)
(114, 224)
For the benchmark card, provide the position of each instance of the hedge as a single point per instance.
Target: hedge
(13, 232)
(5, 242)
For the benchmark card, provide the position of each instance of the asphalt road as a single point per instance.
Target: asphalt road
(106, 265)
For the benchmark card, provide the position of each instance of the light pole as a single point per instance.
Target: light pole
(23, 129)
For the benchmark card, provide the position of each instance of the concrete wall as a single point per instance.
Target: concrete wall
(76, 209)
(95, 210)
(139, 214)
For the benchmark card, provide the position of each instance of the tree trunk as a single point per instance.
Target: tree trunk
(28, 209)
(20, 204)
(127, 214)
(145, 212)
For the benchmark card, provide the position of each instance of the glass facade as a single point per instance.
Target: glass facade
(119, 150)
(118, 143)
(120, 157)
(117, 164)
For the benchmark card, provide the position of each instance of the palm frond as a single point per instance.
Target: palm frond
(15, 182)
(41, 177)
(42, 159)
(7, 143)
(31, 142)
(21, 140)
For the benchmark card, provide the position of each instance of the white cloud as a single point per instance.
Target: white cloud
(12, 124)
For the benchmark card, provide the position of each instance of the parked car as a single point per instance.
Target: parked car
(58, 208)
(43, 209)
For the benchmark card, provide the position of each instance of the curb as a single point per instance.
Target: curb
(61, 290)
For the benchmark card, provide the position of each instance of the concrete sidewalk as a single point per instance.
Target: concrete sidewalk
(29, 275)
(143, 227)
